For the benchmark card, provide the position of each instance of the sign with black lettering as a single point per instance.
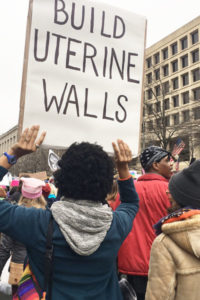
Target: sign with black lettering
(83, 72)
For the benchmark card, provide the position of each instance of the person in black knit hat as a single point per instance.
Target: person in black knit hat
(175, 253)
(185, 186)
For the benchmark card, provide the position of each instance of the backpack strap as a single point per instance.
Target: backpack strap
(48, 272)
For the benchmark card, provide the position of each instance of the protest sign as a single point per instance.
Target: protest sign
(39, 175)
(53, 159)
(83, 72)
(6, 180)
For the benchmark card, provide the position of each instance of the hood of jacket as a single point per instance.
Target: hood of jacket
(83, 223)
(185, 233)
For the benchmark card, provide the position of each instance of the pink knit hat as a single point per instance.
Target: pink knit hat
(32, 187)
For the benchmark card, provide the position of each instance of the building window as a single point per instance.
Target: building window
(166, 104)
(166, 87)
(143, 127)
(195, 37)
(149, 78)
(158, 107)
(149, 94)
(165, 70)
(174, 48)
(196, 112)
(184, 61)
(156, 58)
(195, 55)
(196, 94)
(148, 62)
(185, 98)
(167, 121)
(158, 122)
(165, 53)
(186, 115)
(184, 43)
(150, 109)
(157, 90)
(175, 100)
(196, 74)
(185, 79)
(175, 65)
(157, 74)
(176, 119)
(175, 83)
(150, 125)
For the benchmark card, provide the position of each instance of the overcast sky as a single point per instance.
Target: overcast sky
(163, 18)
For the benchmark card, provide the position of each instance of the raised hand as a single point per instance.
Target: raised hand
(28, 142)
(123, 156)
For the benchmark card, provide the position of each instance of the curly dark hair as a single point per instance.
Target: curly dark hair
(86, 172)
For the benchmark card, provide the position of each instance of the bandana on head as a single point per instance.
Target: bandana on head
(152, 154)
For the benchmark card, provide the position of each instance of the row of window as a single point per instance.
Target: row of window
(182, 44)
(175, 118)
(183, 62)
(175, 101)
(164, 88)
(5, 145)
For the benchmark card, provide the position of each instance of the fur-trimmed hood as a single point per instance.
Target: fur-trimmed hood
(185, 233)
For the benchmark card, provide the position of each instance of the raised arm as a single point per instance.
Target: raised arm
(123, 156)
(126, 211)
(28, 143)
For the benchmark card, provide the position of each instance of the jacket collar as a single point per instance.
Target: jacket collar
(152, 176)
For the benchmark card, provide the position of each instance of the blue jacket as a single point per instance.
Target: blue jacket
(75, 277)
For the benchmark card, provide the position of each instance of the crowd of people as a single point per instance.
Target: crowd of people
(101, 227)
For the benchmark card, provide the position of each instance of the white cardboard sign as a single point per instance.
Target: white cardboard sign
(83, 72)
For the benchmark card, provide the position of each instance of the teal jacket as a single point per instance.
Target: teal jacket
(75, 277)
(3, 172)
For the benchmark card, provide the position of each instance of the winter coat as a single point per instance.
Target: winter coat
(134, 254)
(75, 276)
(17, 251)
(174, 272)
(3, 172)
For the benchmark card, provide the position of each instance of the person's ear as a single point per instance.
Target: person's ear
(155, 165)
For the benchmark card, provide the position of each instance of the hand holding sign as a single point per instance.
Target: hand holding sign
(123, 155)
(28, 142)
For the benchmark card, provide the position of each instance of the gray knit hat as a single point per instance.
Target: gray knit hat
(185, 186)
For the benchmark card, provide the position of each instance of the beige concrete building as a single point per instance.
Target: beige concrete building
(8, 138)
(172, 90)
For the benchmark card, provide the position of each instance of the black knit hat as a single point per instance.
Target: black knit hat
(152, 154)
(185, 186)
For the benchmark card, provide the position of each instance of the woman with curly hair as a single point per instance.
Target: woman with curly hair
(86, 233)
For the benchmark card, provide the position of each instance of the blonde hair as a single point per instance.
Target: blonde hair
(2, 193)
(39, 202)
(113, 194)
